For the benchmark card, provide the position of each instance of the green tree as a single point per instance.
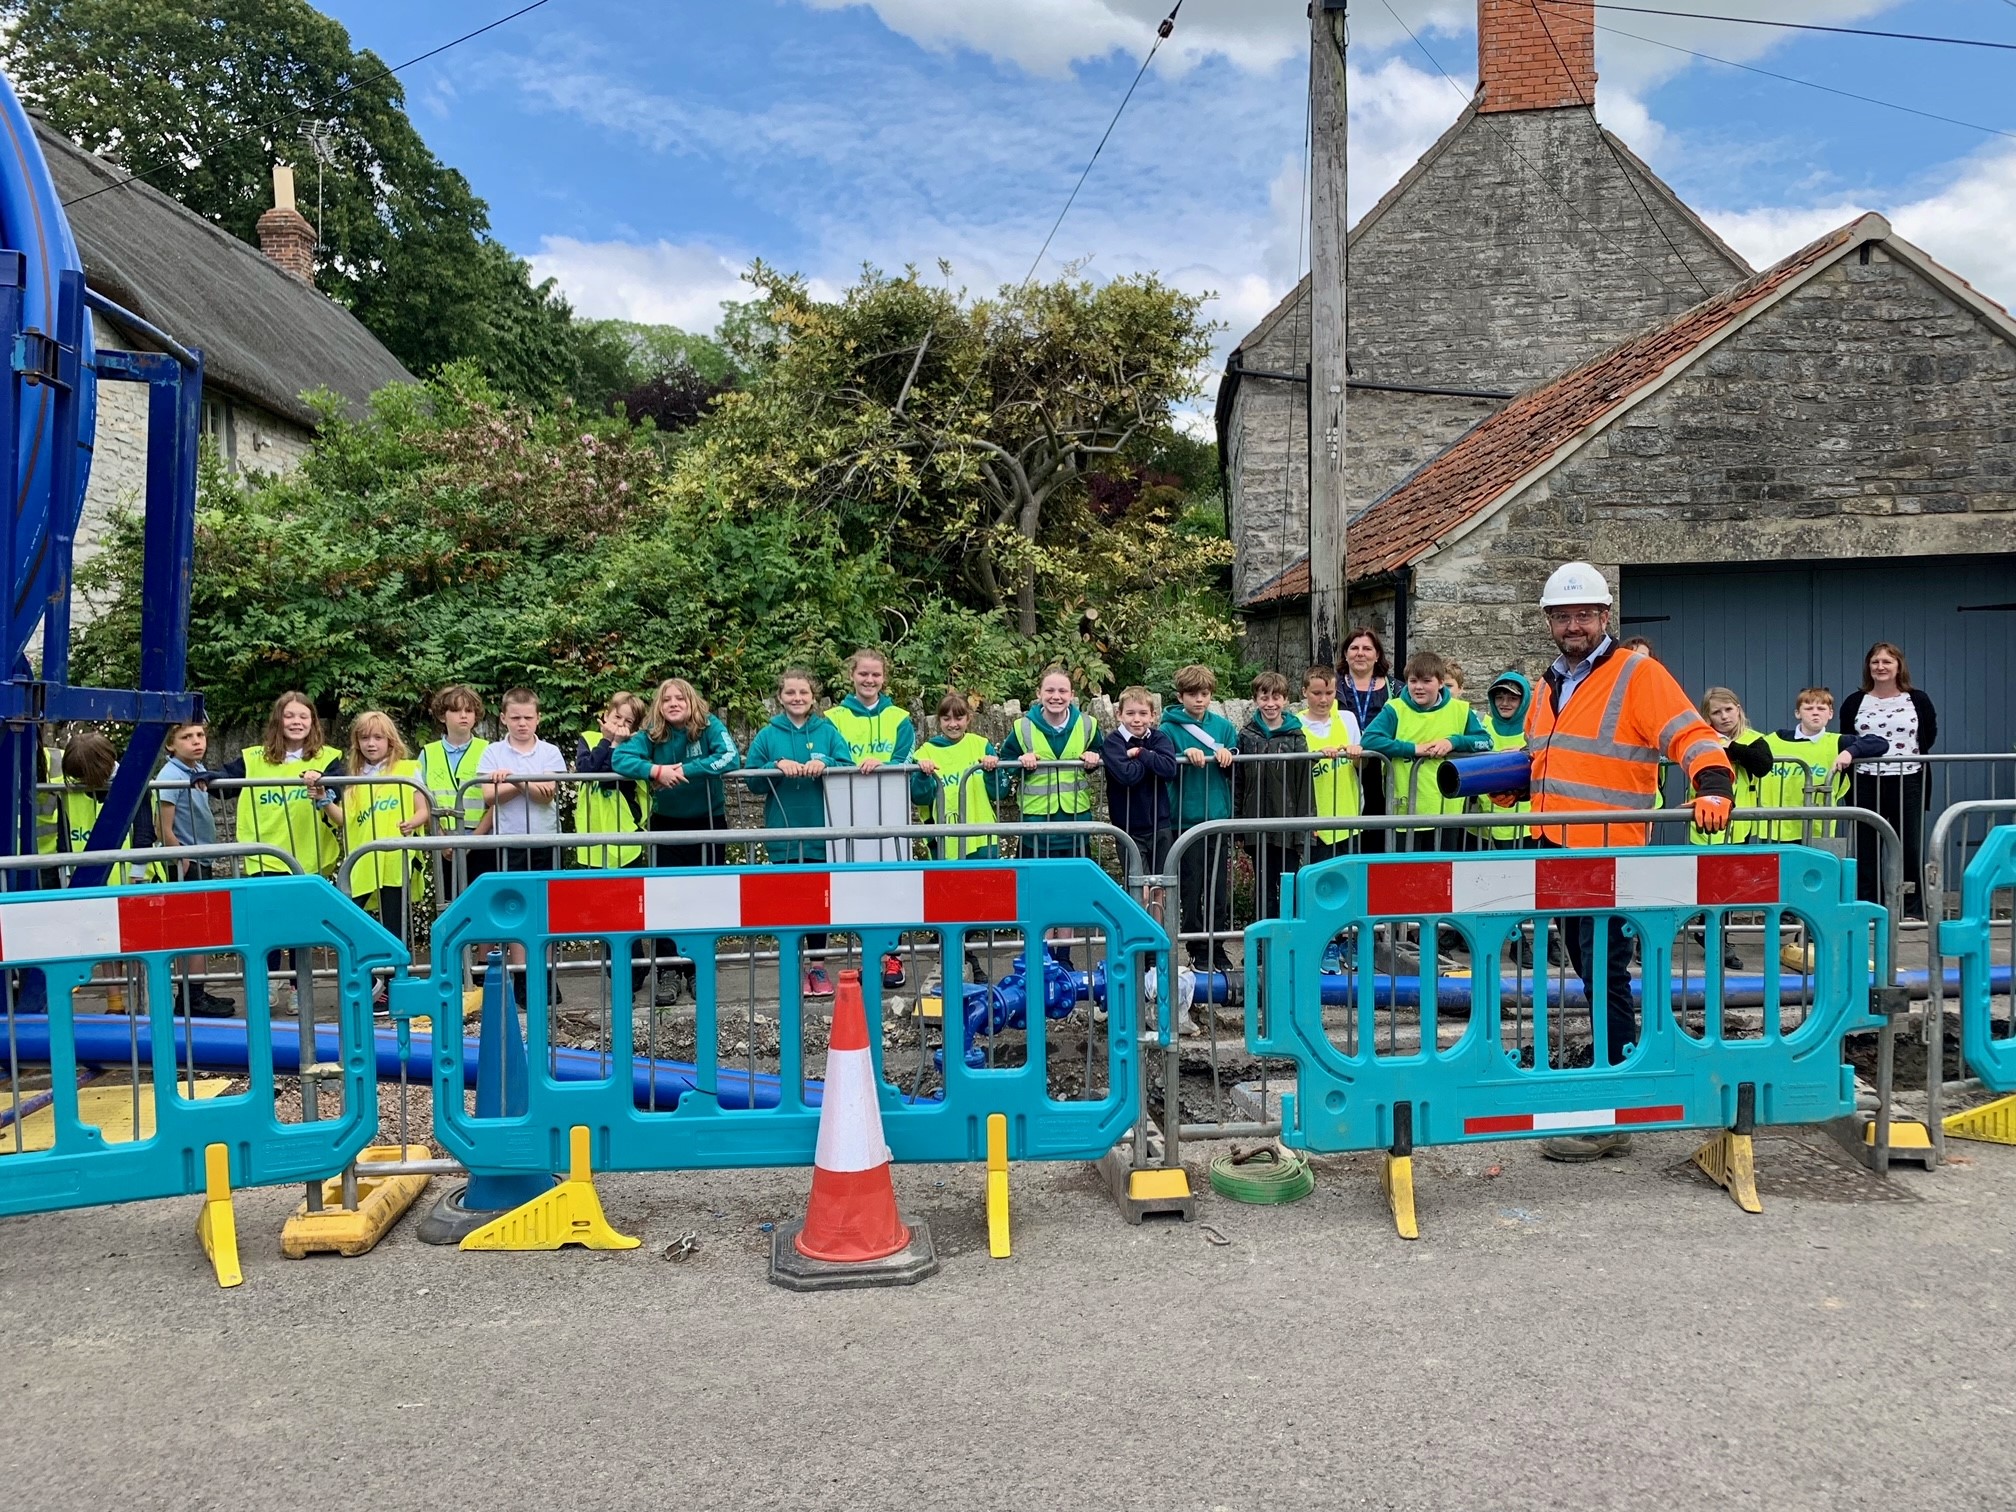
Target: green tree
(454, 535)
(959, 431)
(203, 98)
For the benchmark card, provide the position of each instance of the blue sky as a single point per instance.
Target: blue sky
(643, 151)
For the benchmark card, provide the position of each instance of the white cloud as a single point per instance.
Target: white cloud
(1049, 36)
(1629, 57)
(1964, 223)
(659, 283)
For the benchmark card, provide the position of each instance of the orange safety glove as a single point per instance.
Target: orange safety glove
(1711, 815)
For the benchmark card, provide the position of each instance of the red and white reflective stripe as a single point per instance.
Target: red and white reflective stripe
(1585, 1118)
(1564, 880)
(781, 898)
(60, 926)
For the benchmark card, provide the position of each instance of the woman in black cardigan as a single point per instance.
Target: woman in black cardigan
(1889, 706)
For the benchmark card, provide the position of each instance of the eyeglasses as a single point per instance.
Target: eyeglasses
(1576, 616)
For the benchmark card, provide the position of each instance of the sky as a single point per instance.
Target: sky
(643, 152)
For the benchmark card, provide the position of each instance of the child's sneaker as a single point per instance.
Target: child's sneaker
(1333, 958)
(817, 983)
(892, 970)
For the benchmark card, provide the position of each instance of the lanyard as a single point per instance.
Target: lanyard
(1361, 702)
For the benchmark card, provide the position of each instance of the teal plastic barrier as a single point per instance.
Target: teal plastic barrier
(1363, 1098)
(1967, 937)
(62, 936)
(701, 908)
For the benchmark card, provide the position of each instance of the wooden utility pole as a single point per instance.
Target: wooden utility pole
(1329, 224)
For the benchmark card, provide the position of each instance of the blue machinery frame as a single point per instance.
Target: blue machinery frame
(60, 367)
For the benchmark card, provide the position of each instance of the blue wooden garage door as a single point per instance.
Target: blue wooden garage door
(1768, 631)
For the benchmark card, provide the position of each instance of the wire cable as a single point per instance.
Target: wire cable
(1846, 94)
(1616, 156)
(268, 128)
(1532, 170)
(1161, 35)
(1811, 26)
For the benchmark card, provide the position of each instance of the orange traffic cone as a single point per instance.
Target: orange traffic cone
(852, 1234)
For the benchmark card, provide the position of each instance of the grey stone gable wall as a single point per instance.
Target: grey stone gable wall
(1518, 249)
(1867, 415)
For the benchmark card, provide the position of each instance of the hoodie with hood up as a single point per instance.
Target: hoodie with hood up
(1507, 734)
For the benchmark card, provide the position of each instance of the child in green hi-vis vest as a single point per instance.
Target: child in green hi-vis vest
(1809, 767)
(366, 812)
(957, 781)
(1416, 731)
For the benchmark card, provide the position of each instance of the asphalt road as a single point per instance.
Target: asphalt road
(1614, 1337)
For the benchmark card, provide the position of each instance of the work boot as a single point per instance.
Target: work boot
(1581, 1148)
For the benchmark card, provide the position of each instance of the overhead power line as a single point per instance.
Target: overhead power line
(1811, 26)
(1533, 172)
(1161, 35)
(1846, 94)
(1630, 178)
(269, 128)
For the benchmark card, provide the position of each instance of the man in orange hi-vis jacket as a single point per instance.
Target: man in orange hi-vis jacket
(1598, 728)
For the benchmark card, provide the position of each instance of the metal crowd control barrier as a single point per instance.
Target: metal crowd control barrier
(1970, 938)
(1351, 1095)
(1217, 1086)
(52, 947)
(732, 1121)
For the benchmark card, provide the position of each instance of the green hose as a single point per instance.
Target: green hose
(1264, 1176)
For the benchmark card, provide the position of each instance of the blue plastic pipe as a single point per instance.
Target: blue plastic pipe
(223, 1045)
(1454, 992)
(1474, 776)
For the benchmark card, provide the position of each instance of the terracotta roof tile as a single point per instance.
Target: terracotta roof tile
(1475, 472)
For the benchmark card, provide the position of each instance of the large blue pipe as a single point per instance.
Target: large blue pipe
(223, 1045)
(32, 223)
(1474, 776)
(1454, 992)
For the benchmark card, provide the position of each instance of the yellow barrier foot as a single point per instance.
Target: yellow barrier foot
(217, 1224)
(1151, 1190)
(997, 1185)
(1396, 1179)
(381, 1202)
(1992, 1123)
(569, 1214)
(1730, 1162)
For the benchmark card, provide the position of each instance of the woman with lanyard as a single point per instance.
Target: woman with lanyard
(1362, 689)
(1887, 705)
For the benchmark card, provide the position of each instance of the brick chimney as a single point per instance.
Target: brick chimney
(1521, 47)
(284, 232)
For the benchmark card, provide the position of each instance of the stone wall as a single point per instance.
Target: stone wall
(249, 438)
(1386, 436)
(1520, 246)
(1865, 416)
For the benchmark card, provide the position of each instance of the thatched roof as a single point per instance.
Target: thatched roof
(265, 337)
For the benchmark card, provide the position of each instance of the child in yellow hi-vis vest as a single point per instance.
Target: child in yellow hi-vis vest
(366, 812)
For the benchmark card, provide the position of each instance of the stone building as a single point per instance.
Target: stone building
(1526, 239)
(267, 335)
(1773, 470)
(1818, 458)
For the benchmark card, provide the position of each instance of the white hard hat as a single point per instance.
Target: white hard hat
(1575, 583)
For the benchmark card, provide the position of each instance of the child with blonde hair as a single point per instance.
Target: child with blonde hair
(367, 812)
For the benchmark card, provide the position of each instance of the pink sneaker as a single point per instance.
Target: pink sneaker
(817, 984)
